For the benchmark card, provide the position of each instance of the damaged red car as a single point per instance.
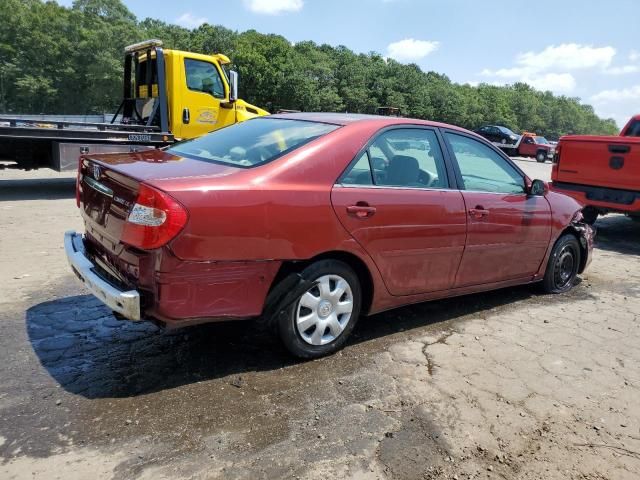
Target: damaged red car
(310, 221)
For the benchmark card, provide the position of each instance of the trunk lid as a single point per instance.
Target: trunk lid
(602, 161)
(109, 186)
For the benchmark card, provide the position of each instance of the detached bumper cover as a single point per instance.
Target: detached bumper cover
(126, 303)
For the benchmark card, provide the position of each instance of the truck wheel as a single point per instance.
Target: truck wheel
(563, 265)
(503, 141)
(541, 157)
(321, 319)
(590, 215)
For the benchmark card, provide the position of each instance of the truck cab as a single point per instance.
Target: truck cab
(632, 128)
(168, 95)
(194, 89)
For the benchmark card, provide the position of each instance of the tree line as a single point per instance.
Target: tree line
(62, 60)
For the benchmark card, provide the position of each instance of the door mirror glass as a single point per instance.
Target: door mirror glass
(538, 188)
(233, 86)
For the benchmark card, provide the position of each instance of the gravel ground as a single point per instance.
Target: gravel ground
(507, 384)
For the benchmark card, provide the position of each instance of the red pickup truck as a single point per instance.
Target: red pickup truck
(601, 172)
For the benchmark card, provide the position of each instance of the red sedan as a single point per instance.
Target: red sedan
(308, 221)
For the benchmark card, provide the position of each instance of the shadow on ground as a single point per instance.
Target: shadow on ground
(617, 233)
(37, 189)
(90, 353)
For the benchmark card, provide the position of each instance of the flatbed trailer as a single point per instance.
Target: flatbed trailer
(35, 144)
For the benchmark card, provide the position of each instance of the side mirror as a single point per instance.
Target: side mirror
(538, 188)
(233, 86)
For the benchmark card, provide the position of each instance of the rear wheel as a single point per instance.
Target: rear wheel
(563, 265)
(321, 319)
(541, 157)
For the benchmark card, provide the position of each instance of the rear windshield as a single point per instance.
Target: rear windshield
(633, 130)
(252, 143)
(506, 130)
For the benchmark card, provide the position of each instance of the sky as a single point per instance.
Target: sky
(580, 48)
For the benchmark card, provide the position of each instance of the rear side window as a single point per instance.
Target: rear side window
(252, 143)
(203, 77)
(482, 169)
(403, 157)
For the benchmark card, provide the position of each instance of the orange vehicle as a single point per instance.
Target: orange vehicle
(601, 172)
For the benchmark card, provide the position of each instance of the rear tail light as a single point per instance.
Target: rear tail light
(556, 155)
(155, 219)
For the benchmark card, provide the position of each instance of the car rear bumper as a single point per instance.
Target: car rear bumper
(126, 303)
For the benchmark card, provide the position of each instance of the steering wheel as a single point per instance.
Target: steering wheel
(426, 178)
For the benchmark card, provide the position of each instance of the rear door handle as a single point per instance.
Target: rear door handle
(478, 212)
(361, 211)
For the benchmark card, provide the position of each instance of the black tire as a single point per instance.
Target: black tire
(541, 157)
(288, 330)
(590, 215)
(563, 265)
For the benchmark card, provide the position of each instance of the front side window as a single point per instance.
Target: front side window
(253, 142)
(403, 157)
(203, 77)
(482, 169)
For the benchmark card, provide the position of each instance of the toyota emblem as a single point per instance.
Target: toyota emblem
(96, 172)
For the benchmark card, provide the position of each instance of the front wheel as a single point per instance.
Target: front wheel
(321, 319)
(541, 157)
(563, 265)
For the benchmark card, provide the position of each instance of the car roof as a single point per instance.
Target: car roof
(352, 118)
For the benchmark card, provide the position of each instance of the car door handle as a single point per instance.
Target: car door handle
(478, 212)
(361, 211)
(186, 117)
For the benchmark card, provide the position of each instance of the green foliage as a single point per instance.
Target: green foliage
(69, 60)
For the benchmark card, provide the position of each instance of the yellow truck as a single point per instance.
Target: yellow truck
(168, 95)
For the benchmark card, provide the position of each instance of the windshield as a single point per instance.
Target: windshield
(507, 131)
(253, 142)
(541, 140)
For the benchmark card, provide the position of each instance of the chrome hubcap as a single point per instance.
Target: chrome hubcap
(324, 310)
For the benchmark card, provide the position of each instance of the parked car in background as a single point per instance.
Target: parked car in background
(498, 134)
(309, 220)
(601, 172)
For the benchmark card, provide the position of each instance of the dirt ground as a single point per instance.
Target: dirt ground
(509, 384)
